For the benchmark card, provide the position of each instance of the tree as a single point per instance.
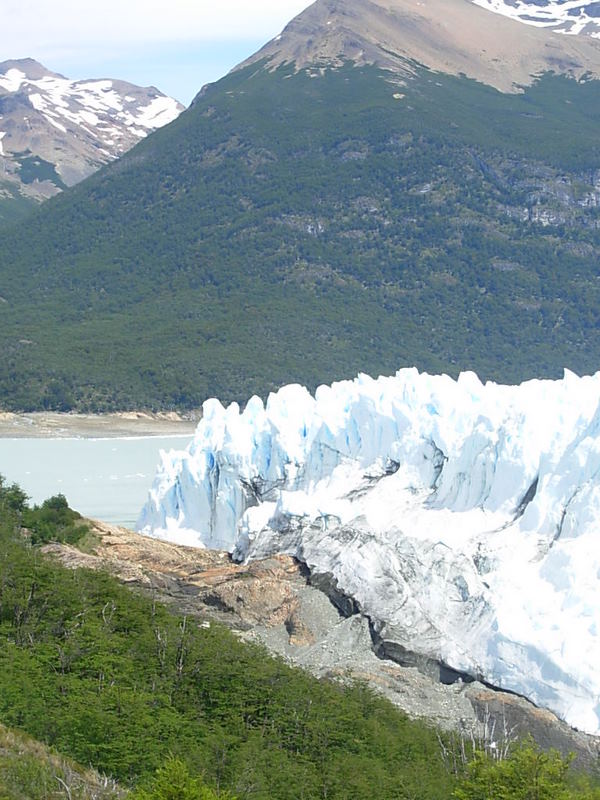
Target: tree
(527, 774)
(12, 498)
(174, 782)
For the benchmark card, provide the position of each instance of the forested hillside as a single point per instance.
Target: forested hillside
(114, 680)
(303, 226)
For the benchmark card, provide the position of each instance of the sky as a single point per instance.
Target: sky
(175, 45)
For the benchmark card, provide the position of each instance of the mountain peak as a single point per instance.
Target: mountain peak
(450, 36)
(28, 67)
(55, 131)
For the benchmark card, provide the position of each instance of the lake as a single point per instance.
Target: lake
(106, 479)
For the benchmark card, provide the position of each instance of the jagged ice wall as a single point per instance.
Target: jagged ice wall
(463, 518)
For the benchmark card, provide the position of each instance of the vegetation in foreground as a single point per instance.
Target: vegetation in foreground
(30, 770)
(114, 680)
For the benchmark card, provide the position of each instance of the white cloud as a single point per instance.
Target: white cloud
(29, 26)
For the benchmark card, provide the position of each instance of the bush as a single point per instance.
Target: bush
(528, 774)
(54, 521)
(12, 498)
(174, 782)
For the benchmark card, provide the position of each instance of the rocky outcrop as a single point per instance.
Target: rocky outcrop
(197, 581)
(277, 603)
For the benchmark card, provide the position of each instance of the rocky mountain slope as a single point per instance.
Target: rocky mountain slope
(54, 131)
(449, 36)
(302, 618)
(415, 216)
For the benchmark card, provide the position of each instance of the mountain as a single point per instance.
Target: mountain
(461, 518)
(54, 131)
(312, 216)
(450, 36)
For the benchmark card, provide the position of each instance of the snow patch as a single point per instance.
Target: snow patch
(55, 124)
(88, 105)
(571, 17)
(37, 102)
(159, 112)
(12, 80)
(89, 117)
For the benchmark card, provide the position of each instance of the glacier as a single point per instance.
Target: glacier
(462, 517)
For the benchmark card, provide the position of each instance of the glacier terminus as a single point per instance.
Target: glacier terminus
(463, 518)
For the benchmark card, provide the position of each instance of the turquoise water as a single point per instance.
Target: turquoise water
(106, 479)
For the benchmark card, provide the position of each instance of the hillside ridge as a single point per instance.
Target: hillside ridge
(304, 225)
(450, 36)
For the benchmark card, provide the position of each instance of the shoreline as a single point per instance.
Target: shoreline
(53, 424)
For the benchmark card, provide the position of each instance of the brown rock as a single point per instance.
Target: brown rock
(449, 36)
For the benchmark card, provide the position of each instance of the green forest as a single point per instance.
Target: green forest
(169, 710)
(293, 228)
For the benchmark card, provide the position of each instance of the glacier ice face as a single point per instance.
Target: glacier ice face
(463, 518)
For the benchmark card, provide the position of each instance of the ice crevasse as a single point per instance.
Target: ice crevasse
(463, 518)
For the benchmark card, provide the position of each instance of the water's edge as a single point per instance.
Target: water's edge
(50, 424)
(104, 478)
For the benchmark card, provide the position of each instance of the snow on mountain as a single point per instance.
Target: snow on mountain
(55, 131)
(561, 16)
(462, 517)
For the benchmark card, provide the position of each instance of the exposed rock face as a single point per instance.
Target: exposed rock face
(273, 602)
(204, 581)
(451, 36)
(54, 131)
